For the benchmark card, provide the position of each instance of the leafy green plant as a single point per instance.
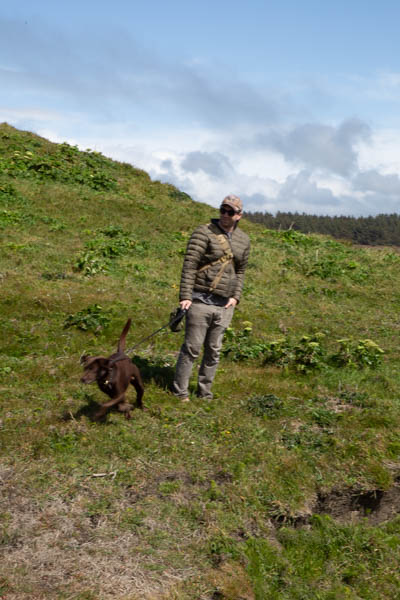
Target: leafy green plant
(221, 547)
(169, 487)
(5, 372)
(277, 352)
(263, 404)
(304, 355)
(308, 353)
(364, 353)
(368, 354)
(391, 258)
(93, 318)
(354, 397)
(309, 439)
(109, 243)
(238, 345)
(323, 417)
(63, 443)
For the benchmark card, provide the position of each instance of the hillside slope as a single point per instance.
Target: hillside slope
(285, 486)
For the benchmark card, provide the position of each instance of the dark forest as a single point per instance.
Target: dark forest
(380, 230)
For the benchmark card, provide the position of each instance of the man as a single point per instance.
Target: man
(211, 284)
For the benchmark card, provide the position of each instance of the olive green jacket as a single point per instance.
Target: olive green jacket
(204, 248)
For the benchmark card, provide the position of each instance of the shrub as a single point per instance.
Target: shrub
(364, 353)
(305, 355)
(308, 353)
(238, 345)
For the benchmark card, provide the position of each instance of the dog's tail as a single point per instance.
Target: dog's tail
(122, 339)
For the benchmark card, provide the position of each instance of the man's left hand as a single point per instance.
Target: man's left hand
(231, 302)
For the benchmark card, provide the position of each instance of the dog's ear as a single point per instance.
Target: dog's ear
(86, 361)
(83, 359)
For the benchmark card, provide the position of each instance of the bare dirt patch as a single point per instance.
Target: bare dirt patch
(349, 506)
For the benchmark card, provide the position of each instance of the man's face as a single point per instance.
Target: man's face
(228, 216)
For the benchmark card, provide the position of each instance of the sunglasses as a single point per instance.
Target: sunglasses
(228, 211)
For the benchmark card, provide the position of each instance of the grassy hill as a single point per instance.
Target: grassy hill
(285, 486)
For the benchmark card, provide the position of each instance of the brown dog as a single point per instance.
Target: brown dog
(113, 376)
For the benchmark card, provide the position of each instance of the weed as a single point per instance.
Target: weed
(267, 404)
(324, 417)
(238, 345)
(93, 318)
(308, 353)
(309, 439)
(222, 548)
(5, 372)
(364, 353)
(109, 243)
(131, 519)
(169, 487)
(63, 443)
(391, 258)
(214, 492)
(354, 397)
(305, 355)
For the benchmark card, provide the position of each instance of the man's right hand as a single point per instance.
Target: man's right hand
(185, 304)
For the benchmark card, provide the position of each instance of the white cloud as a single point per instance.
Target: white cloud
(374, 182)
(382, 152)
(319, 146)
(215, 164)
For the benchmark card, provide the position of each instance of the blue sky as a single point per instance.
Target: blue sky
(294, 106)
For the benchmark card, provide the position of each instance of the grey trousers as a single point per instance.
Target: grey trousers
(205, 325)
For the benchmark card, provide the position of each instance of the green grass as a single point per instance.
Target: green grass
(205, 500)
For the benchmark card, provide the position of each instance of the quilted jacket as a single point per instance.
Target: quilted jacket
(204, 248)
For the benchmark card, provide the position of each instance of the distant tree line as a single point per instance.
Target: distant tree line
(381, 230)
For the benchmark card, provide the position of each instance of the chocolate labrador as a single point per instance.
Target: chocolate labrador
(113, 376)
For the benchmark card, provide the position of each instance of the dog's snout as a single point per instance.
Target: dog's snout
(88, 378)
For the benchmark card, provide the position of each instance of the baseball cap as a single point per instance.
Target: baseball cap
(234, 202)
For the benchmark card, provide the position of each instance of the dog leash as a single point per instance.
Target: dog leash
(179, 315)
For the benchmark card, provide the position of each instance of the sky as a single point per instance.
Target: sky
(292, 105)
